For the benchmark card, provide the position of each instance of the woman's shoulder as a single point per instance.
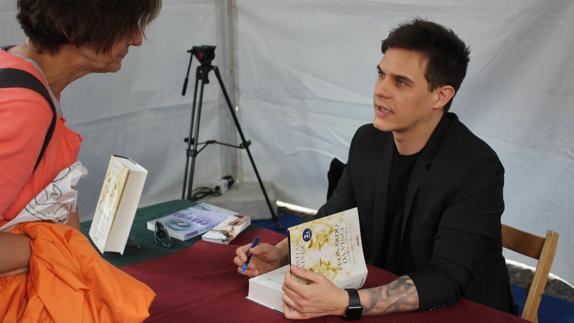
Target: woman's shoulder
(8, 60)
(21, 105)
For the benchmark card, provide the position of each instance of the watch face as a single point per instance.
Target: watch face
(353, 313)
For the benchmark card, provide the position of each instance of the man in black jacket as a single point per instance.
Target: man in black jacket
(428, 192)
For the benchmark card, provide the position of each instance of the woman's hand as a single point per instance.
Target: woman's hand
(318, 298)
(264, 258)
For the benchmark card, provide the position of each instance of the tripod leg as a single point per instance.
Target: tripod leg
(195, 142)
(246, 145)
(188, 152)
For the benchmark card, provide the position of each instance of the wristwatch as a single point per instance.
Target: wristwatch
(355, 309)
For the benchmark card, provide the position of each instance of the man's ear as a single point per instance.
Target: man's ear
(443, 96)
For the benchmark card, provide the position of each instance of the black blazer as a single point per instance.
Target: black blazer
(450, 234)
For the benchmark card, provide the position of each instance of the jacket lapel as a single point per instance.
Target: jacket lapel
(380, 194)
(422, 166)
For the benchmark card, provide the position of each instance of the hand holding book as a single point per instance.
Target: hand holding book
(326, 257)
(320, 297)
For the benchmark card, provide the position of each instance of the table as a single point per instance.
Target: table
(141, 245)
(196, 281)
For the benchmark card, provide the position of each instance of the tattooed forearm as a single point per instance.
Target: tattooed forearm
(399, 295)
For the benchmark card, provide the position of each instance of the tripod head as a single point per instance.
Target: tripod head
(204, 54)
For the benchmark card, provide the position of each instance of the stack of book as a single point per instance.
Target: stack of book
(219, 225)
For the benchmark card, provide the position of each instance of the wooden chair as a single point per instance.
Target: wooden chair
(542, 249)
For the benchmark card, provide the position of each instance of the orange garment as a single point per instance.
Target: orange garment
(26, 117)
(68, 281)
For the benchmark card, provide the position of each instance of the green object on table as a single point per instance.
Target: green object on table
(141, 245)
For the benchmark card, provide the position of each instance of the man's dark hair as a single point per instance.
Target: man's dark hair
(98, 24)
(447, 55)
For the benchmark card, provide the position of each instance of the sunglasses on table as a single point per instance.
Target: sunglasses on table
(161, 236)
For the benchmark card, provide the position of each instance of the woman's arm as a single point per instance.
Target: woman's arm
(15, 249)
(74, 220)
(14, 253)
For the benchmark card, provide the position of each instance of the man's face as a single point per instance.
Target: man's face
(402, 100)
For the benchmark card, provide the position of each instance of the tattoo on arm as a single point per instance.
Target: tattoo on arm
(399, 295)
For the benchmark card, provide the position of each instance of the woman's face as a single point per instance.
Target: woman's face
(112, 60)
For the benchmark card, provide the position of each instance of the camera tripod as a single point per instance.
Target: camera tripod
(205, 55)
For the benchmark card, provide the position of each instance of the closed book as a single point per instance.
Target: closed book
(193, 221)
(117, 204)
(227, 230)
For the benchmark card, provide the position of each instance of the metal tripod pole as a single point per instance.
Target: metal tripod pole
(192, 140)
(245, 144)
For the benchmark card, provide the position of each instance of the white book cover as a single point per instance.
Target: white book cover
(331, 246)
(117, 204)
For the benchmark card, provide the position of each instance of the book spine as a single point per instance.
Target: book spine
(191, 234)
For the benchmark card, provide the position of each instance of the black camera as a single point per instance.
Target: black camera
(204, 53)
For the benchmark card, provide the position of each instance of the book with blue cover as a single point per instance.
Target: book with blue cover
(192, 221)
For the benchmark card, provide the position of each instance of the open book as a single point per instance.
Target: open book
(330, 246)
(117, 205)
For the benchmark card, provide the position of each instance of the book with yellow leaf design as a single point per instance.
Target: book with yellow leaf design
(331, 246)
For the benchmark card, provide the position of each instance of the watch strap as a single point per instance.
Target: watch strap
(355, 309)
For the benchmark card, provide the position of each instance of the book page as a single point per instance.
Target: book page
(266, 289)
(106, 208)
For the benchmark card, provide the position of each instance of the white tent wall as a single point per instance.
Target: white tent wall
(306, 71)
(139, 111)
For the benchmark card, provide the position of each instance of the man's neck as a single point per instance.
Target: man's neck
(411, 141)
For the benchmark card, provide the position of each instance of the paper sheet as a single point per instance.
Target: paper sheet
(56, 202)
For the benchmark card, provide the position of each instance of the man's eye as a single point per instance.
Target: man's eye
(401, 82)
(381, 75)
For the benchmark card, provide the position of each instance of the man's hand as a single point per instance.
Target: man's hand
(318, 298)
(264, 258)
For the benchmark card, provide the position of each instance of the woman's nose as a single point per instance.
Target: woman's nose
(137, 38)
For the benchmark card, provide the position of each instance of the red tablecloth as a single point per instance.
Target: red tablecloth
(201, 284)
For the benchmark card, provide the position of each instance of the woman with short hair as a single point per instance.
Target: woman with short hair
(66, 40)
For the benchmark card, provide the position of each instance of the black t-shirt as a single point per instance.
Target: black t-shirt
(401, 169)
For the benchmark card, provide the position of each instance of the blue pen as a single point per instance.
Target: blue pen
(254, 243)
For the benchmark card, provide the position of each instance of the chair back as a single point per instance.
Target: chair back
(533, 246)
